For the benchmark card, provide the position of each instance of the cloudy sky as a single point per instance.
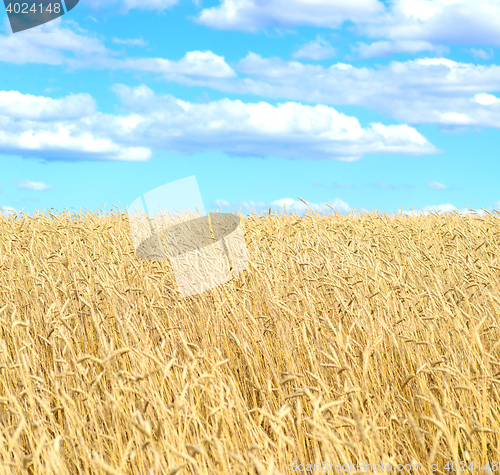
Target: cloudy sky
(365, 104)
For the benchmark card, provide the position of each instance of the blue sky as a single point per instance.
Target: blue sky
(364, 105)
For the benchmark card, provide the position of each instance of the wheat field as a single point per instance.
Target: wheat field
(358, 338)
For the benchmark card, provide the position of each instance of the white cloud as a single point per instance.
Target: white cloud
(196, 64)
(480, 53)
(56, 44)
(130, 41)
(389, 48)
(429, 90)
(63, 142)
(315, 50)
(64, 129)
(292, 206)
(338, 205)
(446, 22)
(436, 186)
(486, 99)
(124, 6)
(15, 105)
(422, 91)
(70, 129)
(250, 15)
(48, 43)
(33, 185)
(289, 130)
(449, 22)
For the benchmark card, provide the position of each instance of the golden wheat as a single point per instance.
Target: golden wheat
(348, 338)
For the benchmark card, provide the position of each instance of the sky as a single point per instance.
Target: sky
(362, 105)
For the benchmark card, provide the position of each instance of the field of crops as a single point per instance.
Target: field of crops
(360, 338)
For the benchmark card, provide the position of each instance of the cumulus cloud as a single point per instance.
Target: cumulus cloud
(436, 186)
(49, 43)
(338, 205)
(422, 91)
(64, 129)
(315, 50)
(130, 41)
(195, 64)
(292, 206)
(124, 6)
(481, 54)
(379, 49)
(289, 130)
(63, 142)
(33, 185)
(486, 99)
(447, 22)
(70, 129)
(250, 15)
(15, 105)
(56, 44)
